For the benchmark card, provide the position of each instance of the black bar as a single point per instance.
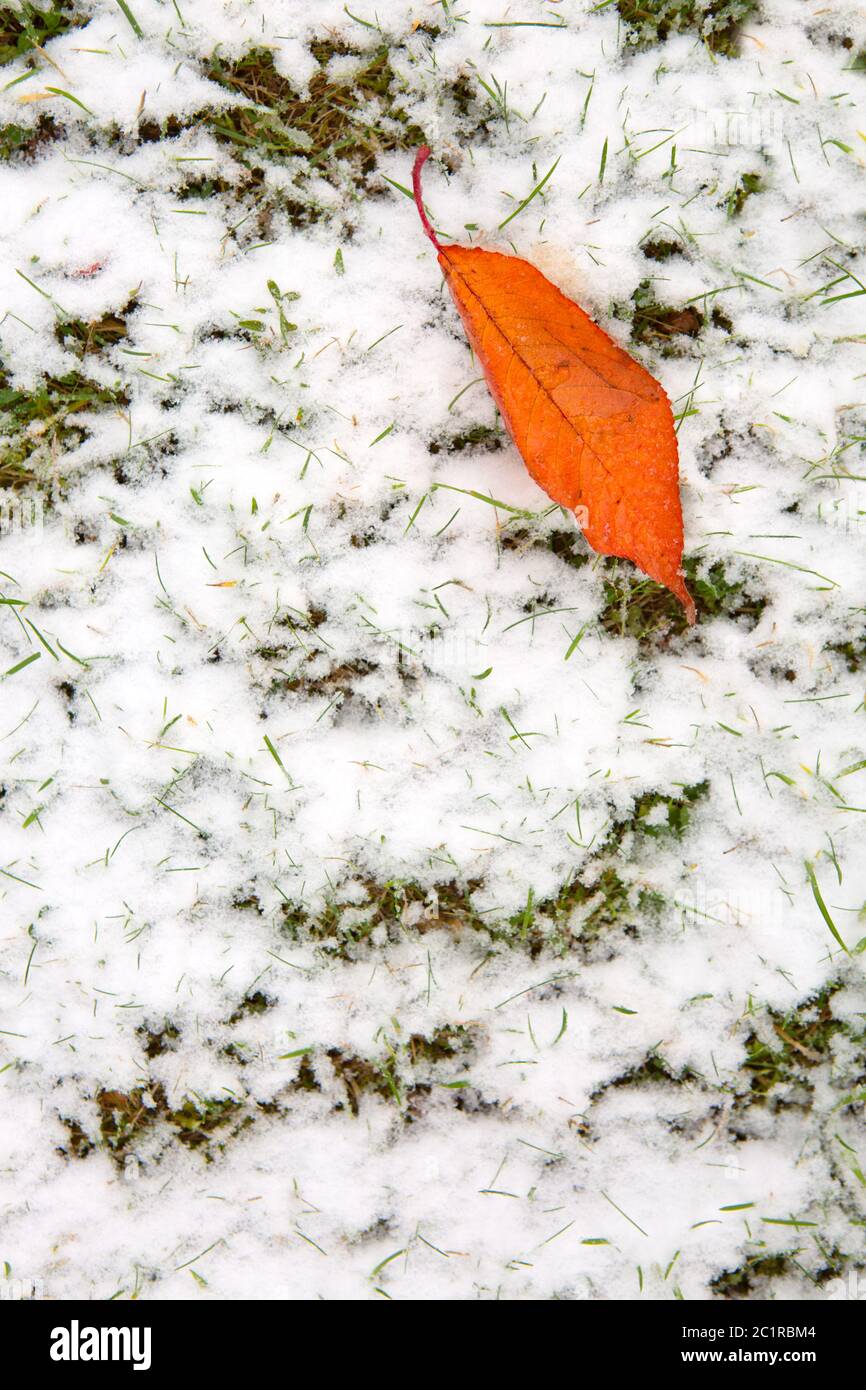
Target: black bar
(217, 1342)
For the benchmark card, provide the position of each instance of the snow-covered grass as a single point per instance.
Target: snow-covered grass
(365, 931)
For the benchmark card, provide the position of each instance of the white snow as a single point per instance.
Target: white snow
(168, 795)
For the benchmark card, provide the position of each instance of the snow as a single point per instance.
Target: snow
(196, 777)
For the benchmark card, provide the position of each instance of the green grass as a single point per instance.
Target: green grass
(745, 187)
(604, 896)
(640, 608)
(657, 325)
(155, 1042)
(803, 1039)
(338, 129)
(661, 248)
(408, 1072)
(24, 26)
(26, 142)
(36, 426)
(852, 650)
(338, 683)
(251, 1006)
(785, 1074)
(634, 606)
(750, 1279)
(654, 1070)
(714, 22)
(129, 1118)
(344, 926)
(404, 1072)
(86, 338)
(360, 1075)
(477, 438)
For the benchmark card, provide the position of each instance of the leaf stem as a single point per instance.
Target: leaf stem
(420, 160)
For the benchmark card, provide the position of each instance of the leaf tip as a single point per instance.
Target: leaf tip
(688, 603)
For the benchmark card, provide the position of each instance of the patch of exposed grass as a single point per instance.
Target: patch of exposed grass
(313, 617)
(638, 607)
(197, 1120)
(127, 1117)
(481, 438)
(247, 902)
(661, 249)
(852, 651)
(27, 26)
(204, 187)
(451, 1040)
(37, 426)
(149, 132)
(578, 911)
(601, 898)
(654, 1070)
(394, 1076)
(750, 1279)
(26, 142)
(657, 325)
(570, 547)
(306, 1079)
(804, 1038)
(715, 22)
(78, 1144)
(471, 113)
(647, 611)
(250, 1006)
(582, 910)
(567, 544)
(337, 129)
(342, 925)
(85, 338)
(157, 1041)
(677, 811)
(360, 1075)
(743, 189)
(337, 682)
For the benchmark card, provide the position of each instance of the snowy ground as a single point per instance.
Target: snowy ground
(365, 931)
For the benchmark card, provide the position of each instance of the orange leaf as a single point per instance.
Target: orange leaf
(594, 429)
